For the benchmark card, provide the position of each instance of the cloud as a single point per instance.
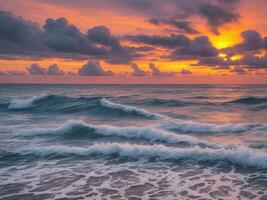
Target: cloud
(93, 68)
(264, 43)
(184, 48)
(172, 41)
(20, 38)
(35, 69)
(253, 62)
(252, 41)
(238, 70)
(61, 36)
(156, 72)
(185, 72)
(181, 26)
(101, 35)
(199, 47)
(211, 61)
(137, 71)
(54, 70)
(12, 73)
(218, 15)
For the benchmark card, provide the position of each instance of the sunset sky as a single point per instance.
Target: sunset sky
(133, 41)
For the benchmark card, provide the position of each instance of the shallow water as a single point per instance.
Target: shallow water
(133, 141)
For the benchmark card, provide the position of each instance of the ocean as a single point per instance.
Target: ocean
(133, 142)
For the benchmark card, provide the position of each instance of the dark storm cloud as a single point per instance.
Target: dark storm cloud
(181, 26)
(199, 47)
(217, 15)
(172, 41)
(101, 35)
(20, 38)
(216, 12)
(253, 62)
(60, 36)
(93, 68)
(252, 41)
(137, 71)
(184, 48)
(54, 70)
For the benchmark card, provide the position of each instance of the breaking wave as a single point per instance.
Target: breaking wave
(241, 156)
(66, 104)
(25, 103)
(128, 109)
(79, 129)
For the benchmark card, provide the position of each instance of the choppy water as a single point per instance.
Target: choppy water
(133, 142)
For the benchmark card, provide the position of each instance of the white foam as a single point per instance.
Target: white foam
(25, 102)
(241, 156)
(149, 133)
(129, 109)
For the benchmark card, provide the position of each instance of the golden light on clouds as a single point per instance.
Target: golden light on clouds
(157, 45)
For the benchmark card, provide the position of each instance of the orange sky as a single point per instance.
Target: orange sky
(122, 23)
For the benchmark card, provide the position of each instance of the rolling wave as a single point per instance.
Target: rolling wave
(79, 129)
(26, 102)
(241, 156)
(196, 127)
(66, 104)
(166, 102)
(128, 109)
(249, 100)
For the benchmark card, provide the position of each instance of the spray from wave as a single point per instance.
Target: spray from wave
(25, 103)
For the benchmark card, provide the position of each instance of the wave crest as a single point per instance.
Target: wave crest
(129, 109)
(25, 103)
(249, 100)
(80, 129)
(241, 156)
(196, 127)
(66, 104)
